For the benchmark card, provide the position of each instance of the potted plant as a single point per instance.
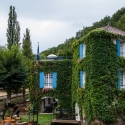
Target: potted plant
(7, 114)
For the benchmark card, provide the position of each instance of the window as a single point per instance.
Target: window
(82, 79)
(121, 49)
(82, 50)
(48, 80)
(114, 41)
(121, 80)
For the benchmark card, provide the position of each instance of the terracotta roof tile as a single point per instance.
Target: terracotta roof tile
(113, 30)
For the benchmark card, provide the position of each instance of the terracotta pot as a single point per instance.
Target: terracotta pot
(8, 118)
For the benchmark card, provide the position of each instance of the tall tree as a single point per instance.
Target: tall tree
(13, 30)
(27, 52)
(27, 45)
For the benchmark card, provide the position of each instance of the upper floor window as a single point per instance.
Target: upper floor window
(48, 80)
(82, 50)
(82, 79)
(120, 47)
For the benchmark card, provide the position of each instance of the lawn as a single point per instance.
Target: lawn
(42, 118)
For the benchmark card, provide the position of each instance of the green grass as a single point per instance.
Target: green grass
(42, 118)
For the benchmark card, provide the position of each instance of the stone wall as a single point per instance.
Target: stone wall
(14, 99)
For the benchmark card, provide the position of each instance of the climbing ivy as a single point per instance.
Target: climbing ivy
(120, 106)
(98, 100)
(34, 90)
(64, 79)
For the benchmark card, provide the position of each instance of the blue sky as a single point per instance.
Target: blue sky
(51, 22)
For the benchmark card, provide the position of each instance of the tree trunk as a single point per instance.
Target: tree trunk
(9, 94)
(23, 94)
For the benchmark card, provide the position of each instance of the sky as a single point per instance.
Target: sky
(51, 22)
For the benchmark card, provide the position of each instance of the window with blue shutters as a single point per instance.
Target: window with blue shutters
(82, 79)
(120, 47)
(48, 80)
(82, 50)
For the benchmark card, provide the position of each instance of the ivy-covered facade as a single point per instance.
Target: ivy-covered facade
(55, 77)
(92, 82)
(98, 76)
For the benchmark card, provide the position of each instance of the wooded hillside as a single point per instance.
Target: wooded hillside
(65, 49)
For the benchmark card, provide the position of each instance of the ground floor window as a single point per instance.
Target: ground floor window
(122, 79)
(82, 79)
(48, 80)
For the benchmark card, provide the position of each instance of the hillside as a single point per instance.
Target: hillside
(65, 49)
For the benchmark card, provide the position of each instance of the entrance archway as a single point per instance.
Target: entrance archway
(47, 104)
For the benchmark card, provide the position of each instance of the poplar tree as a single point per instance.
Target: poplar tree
(27, 52)
(13, 30)
(27, 45)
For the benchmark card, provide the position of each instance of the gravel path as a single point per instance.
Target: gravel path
(2, 93)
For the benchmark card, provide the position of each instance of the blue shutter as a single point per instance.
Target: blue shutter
(118, 47)
(54, 79)
(119, 76)
(41, 79)
(81, 79)
(80, 50)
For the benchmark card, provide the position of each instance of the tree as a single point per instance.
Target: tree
(26, 45)
(27, 52)
(34, 93)
(13, 30)
(103, 22)
(13, 70)
(116, 16)
(121, 23)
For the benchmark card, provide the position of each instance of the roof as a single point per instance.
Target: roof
(51, 56)
(113, 30)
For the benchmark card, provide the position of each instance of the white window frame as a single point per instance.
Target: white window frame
(48, 80)
(114, 41)
(83, 78)
(122, 79)
(122, 49)
(84, 50)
